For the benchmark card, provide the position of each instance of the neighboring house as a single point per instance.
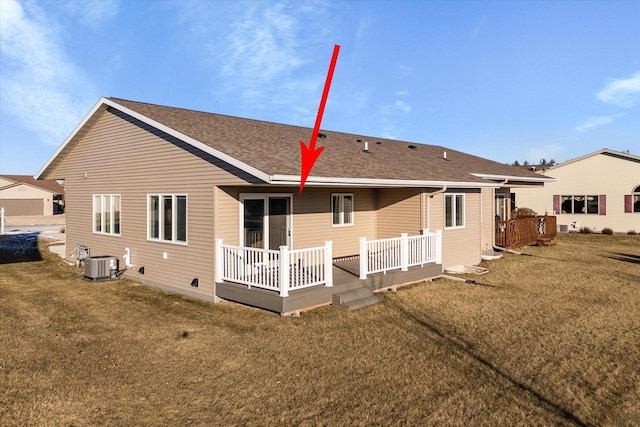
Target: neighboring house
(24, 195)
(599, 190)
(203, 204)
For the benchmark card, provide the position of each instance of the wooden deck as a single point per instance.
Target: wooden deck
(516, 233)
(345, 277)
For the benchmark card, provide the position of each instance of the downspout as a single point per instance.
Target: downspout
(493, 238)
(442, 190)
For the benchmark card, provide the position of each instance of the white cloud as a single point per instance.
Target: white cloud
(93, 13)
(270, 56)
(262, 45)
(402, 93)
(403, 106)
(40, 85)
(405, 70)
(389, 132)
(268, 44)
(596, 121)
(621, 92)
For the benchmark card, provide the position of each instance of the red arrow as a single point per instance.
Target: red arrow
(310, 154)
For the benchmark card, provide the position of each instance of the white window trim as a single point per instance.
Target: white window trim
(353, 211)
(174, 213)
(453, 213)
(102, 212)
(265, 197)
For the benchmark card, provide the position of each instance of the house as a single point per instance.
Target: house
(598, 190)
(24, 195)
(209, 205)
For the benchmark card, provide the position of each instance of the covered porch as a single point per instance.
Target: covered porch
(287, 281)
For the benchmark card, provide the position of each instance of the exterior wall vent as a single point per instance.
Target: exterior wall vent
(99, 268)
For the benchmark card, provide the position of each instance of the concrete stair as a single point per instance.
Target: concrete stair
(354, 299)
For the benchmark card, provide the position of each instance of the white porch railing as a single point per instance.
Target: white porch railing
(277, 270)
(399, 252)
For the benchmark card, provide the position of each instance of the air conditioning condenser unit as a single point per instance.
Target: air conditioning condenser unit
(98, 268)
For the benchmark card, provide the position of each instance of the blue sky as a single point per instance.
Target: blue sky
(505, 80)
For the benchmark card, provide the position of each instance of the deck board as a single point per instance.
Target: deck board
(343, 280)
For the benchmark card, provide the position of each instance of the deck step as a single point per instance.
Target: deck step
(546, 242)
(354, 299)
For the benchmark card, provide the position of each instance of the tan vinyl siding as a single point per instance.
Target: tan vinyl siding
(398, 212)
(460, 246)
(311, 217)
(487, 219)
(313, 223)
(118, 156)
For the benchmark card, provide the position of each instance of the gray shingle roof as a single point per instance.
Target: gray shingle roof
(274, 149)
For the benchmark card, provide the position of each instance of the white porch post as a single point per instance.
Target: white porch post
(404, 252)
(425, 244)
(438, 246)
(328, 263)
(218, 262)
(284, 271)
(1, 220)
(364, 256)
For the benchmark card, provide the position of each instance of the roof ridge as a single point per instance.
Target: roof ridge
(310, 129)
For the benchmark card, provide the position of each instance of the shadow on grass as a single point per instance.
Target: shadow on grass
(633, 259)
(19, 248)
(466, 348)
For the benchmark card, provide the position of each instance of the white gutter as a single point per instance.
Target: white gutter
(372, 182)
(513, 178)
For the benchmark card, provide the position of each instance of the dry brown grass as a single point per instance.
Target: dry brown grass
(554, 341)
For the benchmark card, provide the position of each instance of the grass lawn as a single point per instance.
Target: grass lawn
(555, 340)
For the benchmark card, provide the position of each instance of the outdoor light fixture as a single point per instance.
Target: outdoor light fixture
(194, 282)
(141, 270)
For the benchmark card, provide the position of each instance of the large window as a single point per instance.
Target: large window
(632, 201)
(341, 209)
(454, 210)
(106, 214)
(580, 205)
(167, 217)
